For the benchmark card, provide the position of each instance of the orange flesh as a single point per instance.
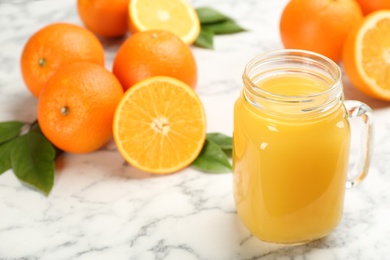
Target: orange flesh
(160, 125)
(376, 53)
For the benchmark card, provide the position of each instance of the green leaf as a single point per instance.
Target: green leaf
(226, 27)
(228, 152)
(9, 130)
(205, 39)
(37, 129)
(5, 151)
(223, 141)
(208, 15)
(32, 160)
(212, 159)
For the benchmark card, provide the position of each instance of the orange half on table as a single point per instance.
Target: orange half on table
(366, 55)
(176, 16)
(160, 125)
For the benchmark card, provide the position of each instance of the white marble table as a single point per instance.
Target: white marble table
(101, 208)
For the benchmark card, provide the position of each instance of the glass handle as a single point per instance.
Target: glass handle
(358, 109)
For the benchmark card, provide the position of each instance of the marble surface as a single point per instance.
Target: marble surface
(101, 208)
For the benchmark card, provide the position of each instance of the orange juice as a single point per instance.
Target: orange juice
(290, 163)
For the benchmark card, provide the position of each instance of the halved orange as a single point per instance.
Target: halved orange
(176, 16)
(160, 125)
(366, 55)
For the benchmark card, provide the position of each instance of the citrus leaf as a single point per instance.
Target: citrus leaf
(228, 152)
(5, 150)
(205, 39)
(226, 27)
(208, 15)
(212, 159)
(223, 141)
(32, 160)
(9, 130)
(37, 129)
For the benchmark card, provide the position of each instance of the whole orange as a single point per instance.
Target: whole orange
(154, 53)
(53, 46)
(77, 106)
(369, 6)
(106, 18)
(319, 25)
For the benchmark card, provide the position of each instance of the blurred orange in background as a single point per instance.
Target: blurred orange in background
(369, 6)
(106, 18)
(366, 55)
(176, 16)
(319, 25)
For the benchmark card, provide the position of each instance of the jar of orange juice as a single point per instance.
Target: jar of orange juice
(291, 146)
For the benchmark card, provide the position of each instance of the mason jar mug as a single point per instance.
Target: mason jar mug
(291, 146)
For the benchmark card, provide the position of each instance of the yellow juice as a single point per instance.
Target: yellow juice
(289, 172)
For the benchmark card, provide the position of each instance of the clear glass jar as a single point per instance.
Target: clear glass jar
(291, 146)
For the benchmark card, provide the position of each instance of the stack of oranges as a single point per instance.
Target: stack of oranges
(147, 102)
(354, 32)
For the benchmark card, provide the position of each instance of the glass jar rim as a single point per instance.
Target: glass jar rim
(292, 53)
